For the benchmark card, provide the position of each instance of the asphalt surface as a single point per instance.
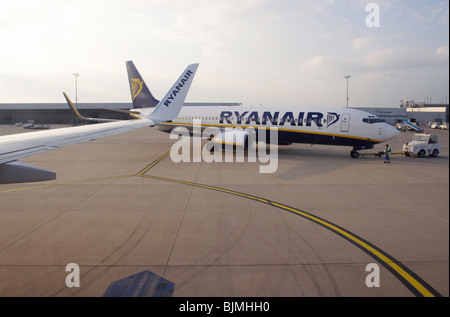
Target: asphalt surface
(120, 206)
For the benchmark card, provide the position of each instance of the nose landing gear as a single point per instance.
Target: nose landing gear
(354, 153)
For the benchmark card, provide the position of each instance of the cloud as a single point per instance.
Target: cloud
(361, 42)
(254, 51)
(400, 58)
(435, 12)
(443, 52)
(320, 62)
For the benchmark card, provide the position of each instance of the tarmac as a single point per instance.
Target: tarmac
(323, 225)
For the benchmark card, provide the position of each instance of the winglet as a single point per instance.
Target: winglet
(78, 114)
(169, 107)
(73, 109)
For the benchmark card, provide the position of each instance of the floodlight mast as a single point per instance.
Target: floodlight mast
(76, 88)
(347, 77)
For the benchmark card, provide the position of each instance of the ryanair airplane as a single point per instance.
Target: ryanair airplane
(312, 125)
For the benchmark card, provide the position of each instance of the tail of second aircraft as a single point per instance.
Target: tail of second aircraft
(140, 94)
(166, 109)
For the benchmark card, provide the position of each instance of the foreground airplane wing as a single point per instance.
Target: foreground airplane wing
(14, 147)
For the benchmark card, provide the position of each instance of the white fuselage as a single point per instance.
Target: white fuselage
(312, 125)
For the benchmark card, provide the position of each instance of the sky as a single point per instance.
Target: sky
(257, 52)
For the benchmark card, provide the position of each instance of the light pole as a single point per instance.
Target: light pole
(347, 77)
(76, 88)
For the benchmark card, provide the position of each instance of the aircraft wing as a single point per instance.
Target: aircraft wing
(14, 147)
(131, 113)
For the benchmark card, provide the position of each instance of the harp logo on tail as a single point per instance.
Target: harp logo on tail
(136, 87)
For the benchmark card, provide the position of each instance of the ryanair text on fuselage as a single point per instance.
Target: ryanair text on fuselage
(288, 118)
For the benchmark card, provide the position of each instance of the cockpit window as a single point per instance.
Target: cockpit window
(371, 120)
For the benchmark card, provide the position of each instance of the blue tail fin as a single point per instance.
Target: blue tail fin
(140, 94)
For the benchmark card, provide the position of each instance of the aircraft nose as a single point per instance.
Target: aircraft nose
(390, 132)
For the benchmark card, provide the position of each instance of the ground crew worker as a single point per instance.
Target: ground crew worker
(387, 151)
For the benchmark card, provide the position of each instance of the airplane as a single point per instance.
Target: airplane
(16, 146)
(311, 125)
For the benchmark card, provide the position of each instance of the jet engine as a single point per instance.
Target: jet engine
(239, 139)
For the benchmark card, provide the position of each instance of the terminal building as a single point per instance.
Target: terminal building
(424, 114)
(59, 113)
